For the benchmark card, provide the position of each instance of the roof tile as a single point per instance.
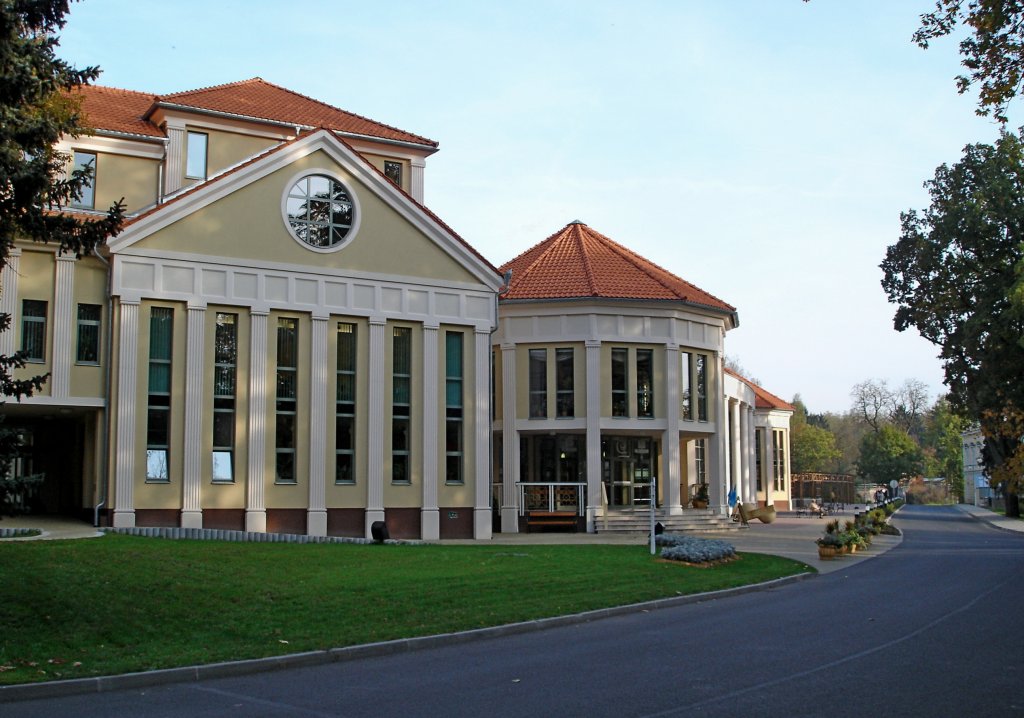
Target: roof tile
(578, 262)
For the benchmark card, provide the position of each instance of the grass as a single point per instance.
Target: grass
(119, 604)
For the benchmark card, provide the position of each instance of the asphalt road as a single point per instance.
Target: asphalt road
(931, 628)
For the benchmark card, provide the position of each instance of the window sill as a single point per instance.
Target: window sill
(401, 483)
(285, 483)
(87, 363)
(157, 481)
(223, 482)
(344, 483)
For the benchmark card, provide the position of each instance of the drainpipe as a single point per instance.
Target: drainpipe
(103, 485)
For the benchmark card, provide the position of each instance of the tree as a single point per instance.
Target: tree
(953, 273)
(872, 402)
(993, 54)
(943, 438)
(38, 106)
(889, 454)
(813, 448)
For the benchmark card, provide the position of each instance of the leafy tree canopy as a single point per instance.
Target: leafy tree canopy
(953, 275)
(889, 454)
(993, 53)
(37, 107)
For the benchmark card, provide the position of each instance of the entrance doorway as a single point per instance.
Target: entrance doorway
(627, 468)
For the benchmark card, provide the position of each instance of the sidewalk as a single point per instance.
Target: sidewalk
(992, 518)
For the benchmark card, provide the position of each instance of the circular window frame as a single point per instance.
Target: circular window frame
(334, 177)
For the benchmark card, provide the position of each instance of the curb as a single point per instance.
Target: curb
(147, 679)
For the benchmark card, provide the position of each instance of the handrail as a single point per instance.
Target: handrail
(548, 489)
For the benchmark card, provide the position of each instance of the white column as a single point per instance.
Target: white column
(744, 442)
(749, 457)
(316, 513)
(191, 485)
(483, 522)
(375, 414)
(769, 479)
(671, 467)
(509, 442)
(124, 447)
(735, 453)
(9, 300)
(416, 167)
(430, 517)
(174, 166)
(594, 488)
(63, 326)
(255, 507)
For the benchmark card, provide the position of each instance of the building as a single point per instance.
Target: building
(976, 487)
(610, 391)
(273, 340)
(283, 338)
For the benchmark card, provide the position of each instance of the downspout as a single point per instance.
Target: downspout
(103, 486)
(502, 290)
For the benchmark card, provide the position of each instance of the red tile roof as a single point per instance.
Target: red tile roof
(763, 399)
(260, 99)
(577, 262)
(107, 108)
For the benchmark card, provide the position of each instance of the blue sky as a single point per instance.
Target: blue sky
(761, 149)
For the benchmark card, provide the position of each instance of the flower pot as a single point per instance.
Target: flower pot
(826, 553)
(697, 504)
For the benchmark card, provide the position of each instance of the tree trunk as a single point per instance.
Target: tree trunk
(1012, 505)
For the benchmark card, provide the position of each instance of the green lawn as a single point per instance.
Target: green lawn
(117, 604)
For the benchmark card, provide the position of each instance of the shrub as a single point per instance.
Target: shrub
(694, 550)
(830, 539)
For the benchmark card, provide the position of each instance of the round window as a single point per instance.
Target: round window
(320, 211)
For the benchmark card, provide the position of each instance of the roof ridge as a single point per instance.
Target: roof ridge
(114, 89)
(523, 274)
(207, 88)
(584, 254)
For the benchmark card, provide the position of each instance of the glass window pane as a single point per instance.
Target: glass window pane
(156, 465)
(195, 165)
(222, 470)
(86, 195)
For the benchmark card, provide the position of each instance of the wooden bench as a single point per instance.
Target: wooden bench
(551, 518)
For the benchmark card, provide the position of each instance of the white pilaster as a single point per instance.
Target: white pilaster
(748, 455)
(9, 300)
(671, 471)
(735, 453)
(509, 442)
(744, 455)
(63, 326)
(769, 479)
(595, 491)
(174, 166)
(124, 447)
(255, 507)
(316, 514)
(416, 171)
(375, 420)
(483, 521)
(191, 485)
(430, 519)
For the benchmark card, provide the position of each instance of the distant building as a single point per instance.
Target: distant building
(976, 487)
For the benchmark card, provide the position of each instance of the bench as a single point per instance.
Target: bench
(551, 518)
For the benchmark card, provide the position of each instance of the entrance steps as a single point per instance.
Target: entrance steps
(690, 521)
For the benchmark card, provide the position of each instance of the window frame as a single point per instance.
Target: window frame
(454, 362)
(619, 384)
(645, 393)
(158, 399)
(286, 405)
(537, 383)
(393, 165)
(401, 411)
(225, 367)
(82, 338)
(289, 194)
(345, 406)
(88, 190)
(565, 383)
(33, 328)
(189, 157)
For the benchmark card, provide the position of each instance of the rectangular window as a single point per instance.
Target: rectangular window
(700, 452)
(393, 171)
(225, 372)
(287, 399)
(565, 383)
(401, 400)
(33, 330)
(158, 415)
(645, 383)
(758, 461)
(453, 407)
(538, 383)
(345, 406)
(88, 351)
(779, 463)
(685, 385)
(620, 382)
(195, 161)
(86, 197)
(702, 387)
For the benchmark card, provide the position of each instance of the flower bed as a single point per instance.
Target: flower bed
(688, 549)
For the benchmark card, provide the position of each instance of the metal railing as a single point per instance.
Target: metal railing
(555, 496)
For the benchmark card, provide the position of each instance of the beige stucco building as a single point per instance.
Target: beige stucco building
(283, 338)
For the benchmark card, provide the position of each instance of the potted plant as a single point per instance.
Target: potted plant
(828, 546)
(700, 497)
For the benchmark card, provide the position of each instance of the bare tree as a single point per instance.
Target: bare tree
(872, 402)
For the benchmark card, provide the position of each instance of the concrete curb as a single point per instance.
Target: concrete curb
(148, 679)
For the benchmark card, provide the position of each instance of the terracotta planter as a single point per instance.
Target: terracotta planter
(826, 553)
(699, 504)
